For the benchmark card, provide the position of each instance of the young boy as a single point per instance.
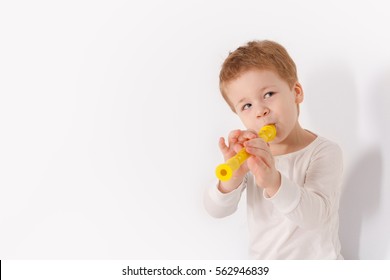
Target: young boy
(293, 183)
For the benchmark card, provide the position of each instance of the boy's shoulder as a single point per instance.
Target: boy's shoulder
(324, 146)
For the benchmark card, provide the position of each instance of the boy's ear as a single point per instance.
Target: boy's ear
(298, 92)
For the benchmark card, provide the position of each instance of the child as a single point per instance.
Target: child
(293, 183)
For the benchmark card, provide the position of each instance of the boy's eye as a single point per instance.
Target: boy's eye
(246, 106)
(268, 94)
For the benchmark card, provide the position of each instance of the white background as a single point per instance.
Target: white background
(110, 116)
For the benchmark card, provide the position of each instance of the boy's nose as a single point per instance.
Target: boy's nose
(262, 112)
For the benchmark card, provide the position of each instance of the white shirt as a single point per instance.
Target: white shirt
(301, 220)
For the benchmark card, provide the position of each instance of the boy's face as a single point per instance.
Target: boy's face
(261, 97)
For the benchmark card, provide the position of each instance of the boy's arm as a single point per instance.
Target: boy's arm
(311, 206)
(219, 204)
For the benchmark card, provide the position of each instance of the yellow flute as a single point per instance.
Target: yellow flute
(225, 170)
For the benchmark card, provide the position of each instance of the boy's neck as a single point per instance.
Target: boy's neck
(298, 139)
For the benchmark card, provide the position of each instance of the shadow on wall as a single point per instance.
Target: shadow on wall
(369, 177)
(360, 200)
(332, 105)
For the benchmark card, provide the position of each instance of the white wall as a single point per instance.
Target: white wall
(110, 115)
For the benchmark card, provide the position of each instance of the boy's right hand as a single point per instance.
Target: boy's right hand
(236, 140)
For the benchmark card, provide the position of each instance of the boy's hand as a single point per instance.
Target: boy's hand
(236, 141)
(262, 165)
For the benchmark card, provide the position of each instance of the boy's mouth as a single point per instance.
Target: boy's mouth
(270, 123)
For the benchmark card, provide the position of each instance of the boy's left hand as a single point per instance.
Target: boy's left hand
(262, 165)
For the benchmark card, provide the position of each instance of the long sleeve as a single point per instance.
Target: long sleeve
(301, 220)
(220, 205)
(312, 203)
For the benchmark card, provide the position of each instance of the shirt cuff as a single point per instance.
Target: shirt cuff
(287, 197)
(227, 198)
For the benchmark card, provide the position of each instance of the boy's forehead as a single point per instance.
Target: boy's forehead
(253, 79)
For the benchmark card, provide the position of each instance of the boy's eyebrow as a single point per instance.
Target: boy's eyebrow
(265, 87)
(241, 100)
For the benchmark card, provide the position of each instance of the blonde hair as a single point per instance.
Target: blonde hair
(261, 55)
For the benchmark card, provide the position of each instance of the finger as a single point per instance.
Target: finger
(262, 152)
(233, 136)
(222, 145)
(264, 158)
(238, 147)
(256, 164)
(247, 135)
(257, 143)
(258, 152)
(251, 134)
